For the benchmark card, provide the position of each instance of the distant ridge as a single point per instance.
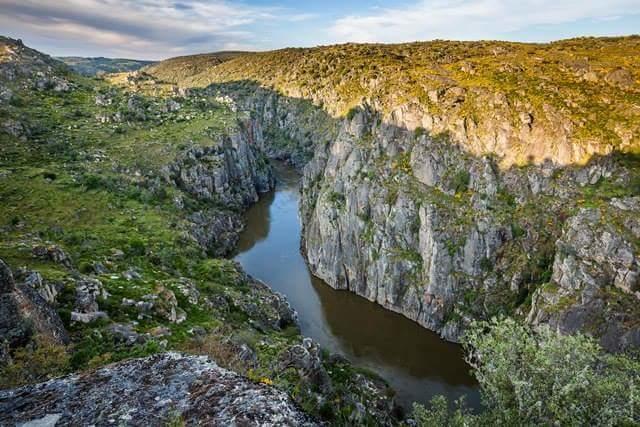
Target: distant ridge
(562, 101)
(95, 65)
(175, 70)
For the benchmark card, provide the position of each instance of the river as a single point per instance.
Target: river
(415, 362)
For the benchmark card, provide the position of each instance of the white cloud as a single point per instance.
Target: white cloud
(470, 19)
(139, 28)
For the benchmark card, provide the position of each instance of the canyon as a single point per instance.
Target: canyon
(448, 182)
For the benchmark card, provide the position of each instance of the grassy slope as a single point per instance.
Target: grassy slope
(78, 183)
(181, 67)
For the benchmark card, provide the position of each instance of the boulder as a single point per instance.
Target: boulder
(306, 359)
(88, 291)
(47, 290)
(52, 253)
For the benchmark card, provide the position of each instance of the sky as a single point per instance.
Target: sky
(158, 29)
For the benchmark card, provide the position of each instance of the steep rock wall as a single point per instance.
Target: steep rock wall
(421, 225)
(229, 176)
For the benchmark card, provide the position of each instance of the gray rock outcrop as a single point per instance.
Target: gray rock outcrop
(596, 277)
(24, 313)
(152, 391)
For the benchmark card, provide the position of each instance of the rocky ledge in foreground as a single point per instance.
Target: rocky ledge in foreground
(151, 391)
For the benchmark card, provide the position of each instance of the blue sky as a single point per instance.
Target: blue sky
(156, 29)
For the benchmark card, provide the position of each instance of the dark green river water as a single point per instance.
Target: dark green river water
(416, 362)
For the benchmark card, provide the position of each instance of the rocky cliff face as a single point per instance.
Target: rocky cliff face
(427, 228)
(232, 172)
(594, 287)
(161, 389)
(386, 217)
(230, 175)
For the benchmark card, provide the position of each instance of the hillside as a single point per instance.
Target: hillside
(182, 67)
(94, 66)
(563, 101)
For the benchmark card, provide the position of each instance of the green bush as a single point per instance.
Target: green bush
(419, 131)
(461, 181)
(352, 113)
(438, 414)
(542, 378)
(136, 247)
(38, 361)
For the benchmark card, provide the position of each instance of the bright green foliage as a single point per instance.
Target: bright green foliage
(543, 378)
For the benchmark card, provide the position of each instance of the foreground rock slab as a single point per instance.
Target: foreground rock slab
(151, 391)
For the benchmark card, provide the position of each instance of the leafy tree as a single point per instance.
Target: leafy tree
(540, 377)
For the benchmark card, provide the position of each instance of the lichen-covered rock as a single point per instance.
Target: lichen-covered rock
(126, 334)
(165, 305)
(265, 308)
(52, 253)
(45, 81)
(155, 390)
(217, 232)
(306, 358)
(16, 129)
(189, 290)
(48, 290)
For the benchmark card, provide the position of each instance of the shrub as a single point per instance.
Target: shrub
(39, 361)
(352, 113)
(438, 414)
(93, 182)
(543, 378)
(336, 199)
(419, 131)
(461, 181)
(136, 248)
(220, 349)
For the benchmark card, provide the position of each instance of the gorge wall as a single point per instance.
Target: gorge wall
(425, 228)
(452, 181)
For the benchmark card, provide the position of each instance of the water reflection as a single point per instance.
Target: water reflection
(416, 362)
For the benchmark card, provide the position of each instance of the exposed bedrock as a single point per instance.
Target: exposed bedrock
(166, 388)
